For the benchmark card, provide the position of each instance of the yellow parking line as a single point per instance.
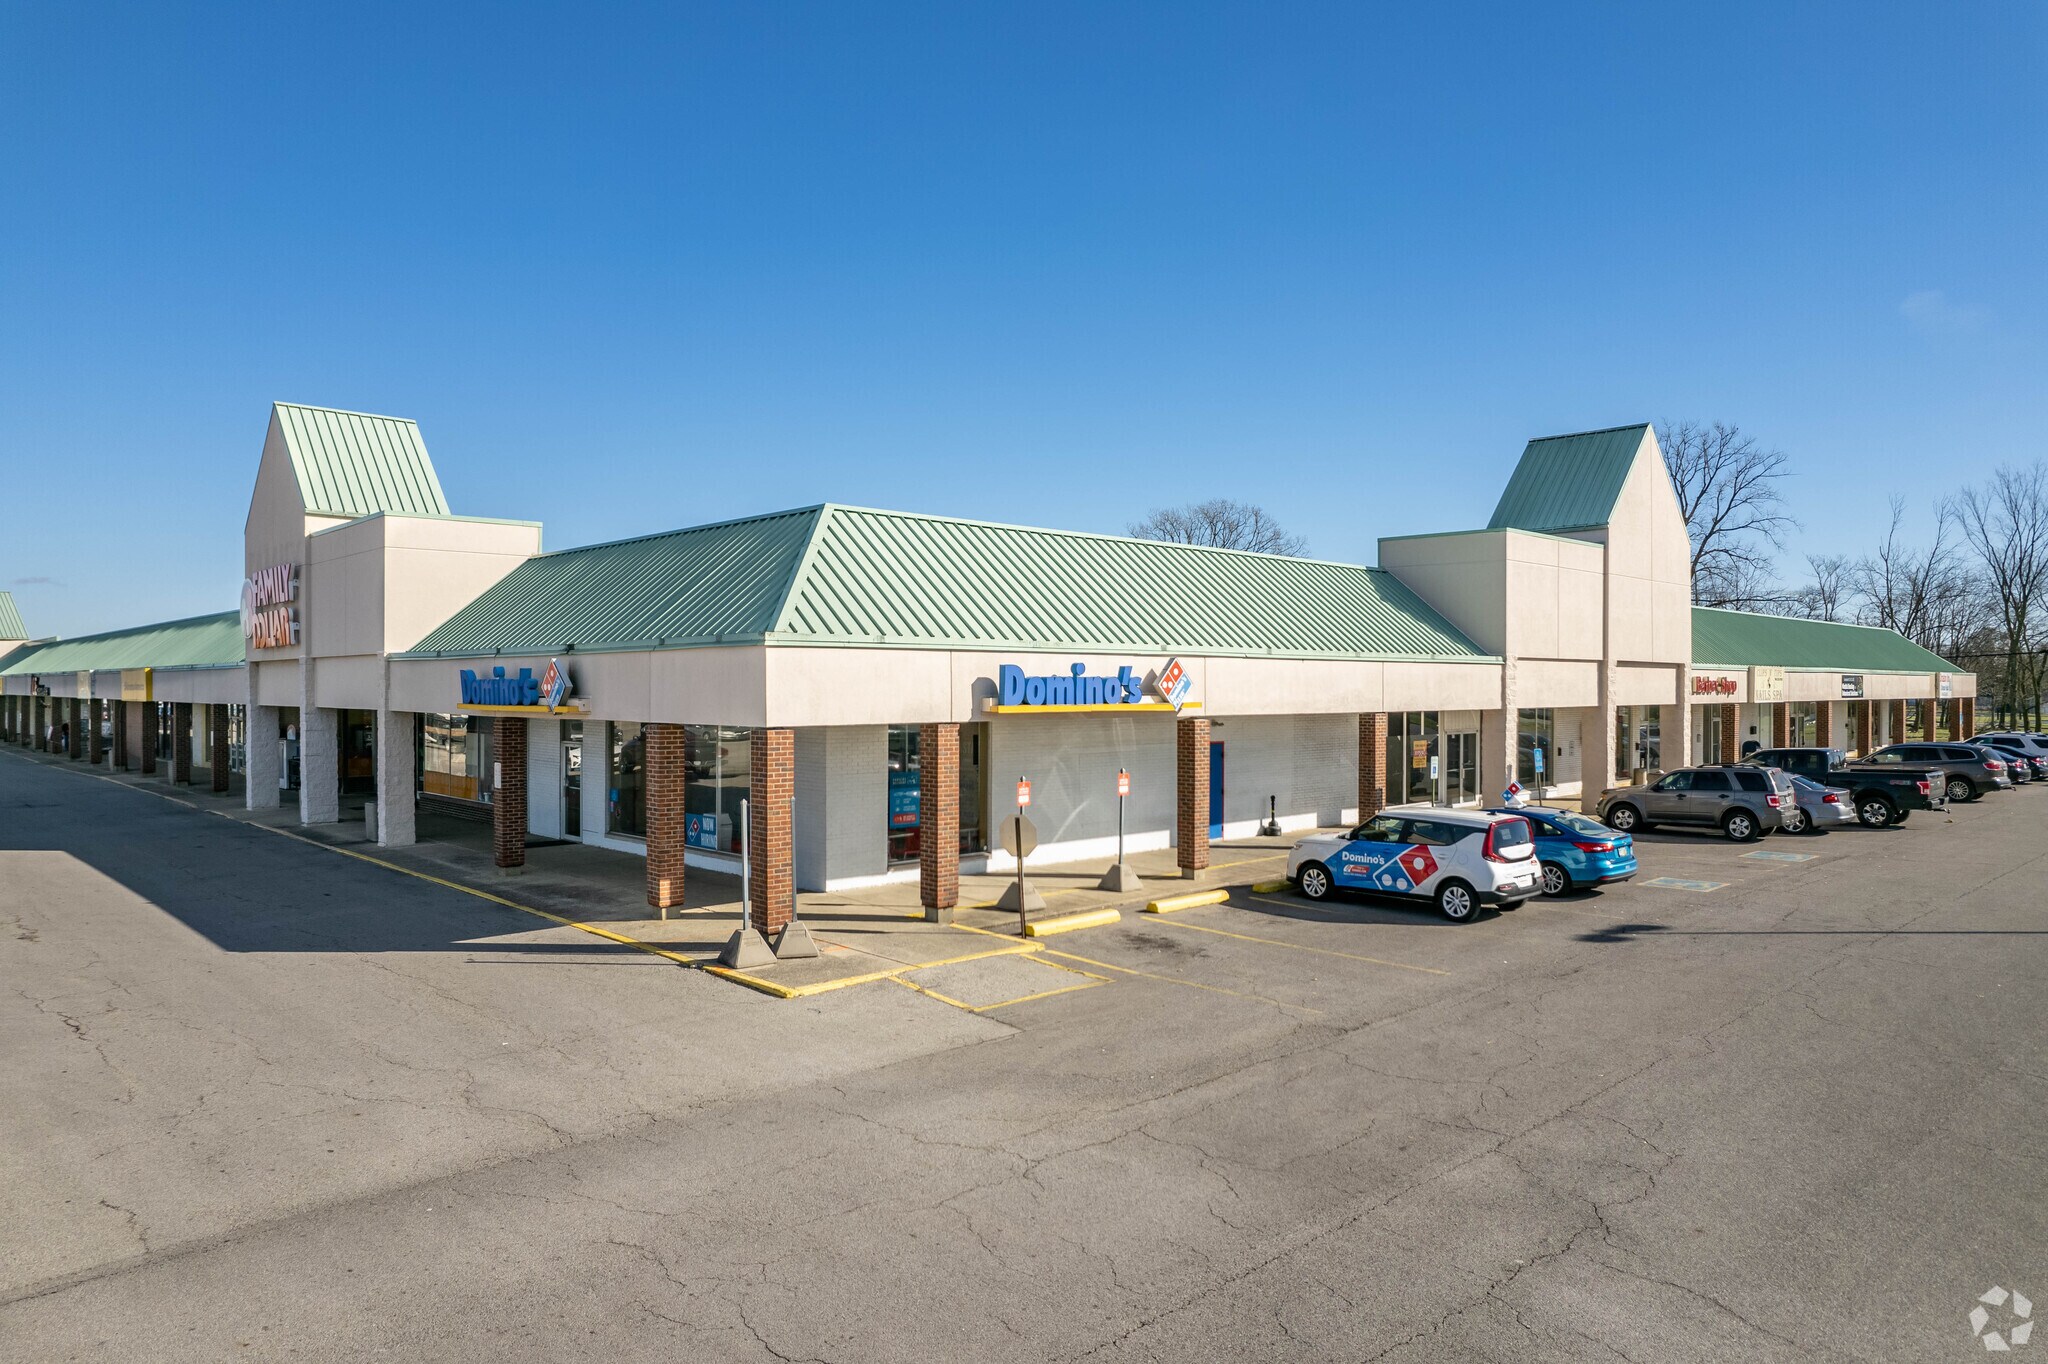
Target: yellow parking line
(1310, 905)
(1191, 984)
(1297, 947)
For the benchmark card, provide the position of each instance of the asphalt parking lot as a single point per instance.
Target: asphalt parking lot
(273, 1103)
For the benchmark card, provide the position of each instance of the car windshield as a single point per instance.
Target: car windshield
(1571, 821)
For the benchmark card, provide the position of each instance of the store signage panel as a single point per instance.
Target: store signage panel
(270, 615)
(1944, 686)
(519, 692)
(701, 831)
(905, 800)
(1766, 684)
(1077, 689)
(1714, 686)
(1852, 686)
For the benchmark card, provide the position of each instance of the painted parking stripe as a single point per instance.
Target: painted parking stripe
(1782, 857)
(1680, 883)
(1298, 947)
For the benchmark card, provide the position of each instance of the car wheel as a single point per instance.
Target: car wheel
(1901, 817)
(1456, 902)
(1875, 812)
(1795, 821)
(1961, 788)
(1315, 881)
(1626, 818)
(1741, 826)
(1556, 880)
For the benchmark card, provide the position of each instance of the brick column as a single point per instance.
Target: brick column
(1966, 717)
(1191, 789)
(217, 732)
(148, 744)
(663, 745)
(1930, 716)
(769, 813)
(508, 791)
(1372, 764)
(1731, 733)
(938, 820)
(1824, 723)
(1781, 724)
(121, 760)
(181, 742)
(1898, 734)
(95, 743)
(1866, 726)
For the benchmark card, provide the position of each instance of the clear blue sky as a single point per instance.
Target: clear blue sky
(632, 268)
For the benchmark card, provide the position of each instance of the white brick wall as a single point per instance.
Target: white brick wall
(1310, 762)
(842, 807)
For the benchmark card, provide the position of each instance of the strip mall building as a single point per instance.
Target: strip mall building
(869, 686)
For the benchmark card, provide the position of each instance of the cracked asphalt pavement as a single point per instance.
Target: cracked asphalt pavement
(266, 1102)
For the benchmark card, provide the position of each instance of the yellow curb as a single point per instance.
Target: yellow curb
(1194, 899)
(1268, 887)
(1067, 923)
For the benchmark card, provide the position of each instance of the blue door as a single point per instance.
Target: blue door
(1216, 789)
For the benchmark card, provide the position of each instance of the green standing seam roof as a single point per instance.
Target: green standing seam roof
(353, 463)
(200, 642)
(10, 618)
(1568, 482)
(1741, 639)
(854, 577)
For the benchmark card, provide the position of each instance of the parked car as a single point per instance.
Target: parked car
(2027, 752)
(1972, 769)
(1744, 802)
(1818, 808)
(1881, 793)
(1577, 851)
(1461, 859)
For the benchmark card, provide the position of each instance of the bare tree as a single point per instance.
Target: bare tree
(1926, 593)
(1827, 596)
(1219, 523)
(1728, 489)
(2005, 525)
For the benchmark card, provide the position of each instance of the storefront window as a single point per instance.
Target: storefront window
(454, 756)
(904, 817)
(1413, 738)
(1805, 725)
(718, 772)
(973, 789)
(1536, 749)
(1638, 739)
(626, 782)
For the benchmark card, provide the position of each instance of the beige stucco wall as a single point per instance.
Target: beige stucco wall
(1649, 562)
(1462, 575)
(200, 686)
(1553, 682)
(276, 683)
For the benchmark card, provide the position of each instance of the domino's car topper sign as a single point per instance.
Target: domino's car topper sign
(547, 694)
(1076, 689)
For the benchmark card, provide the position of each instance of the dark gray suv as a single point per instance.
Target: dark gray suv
(1972, 769)
(1744, 803)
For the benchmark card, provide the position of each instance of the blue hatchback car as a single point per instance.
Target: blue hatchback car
(1577, 851)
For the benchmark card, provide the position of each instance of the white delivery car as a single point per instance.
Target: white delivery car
(1462, 859)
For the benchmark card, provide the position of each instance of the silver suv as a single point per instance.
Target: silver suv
(1972, 768)
(1745, 803)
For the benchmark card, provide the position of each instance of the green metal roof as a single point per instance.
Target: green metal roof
(1740, 639)
(353, 463)
(850, 576)
(10, 618)
(1568, 482)
(200, 642)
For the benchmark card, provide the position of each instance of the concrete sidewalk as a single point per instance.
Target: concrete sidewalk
(868, 934)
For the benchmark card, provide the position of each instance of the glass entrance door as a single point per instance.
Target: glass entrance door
(1460, 782)
(572, 790)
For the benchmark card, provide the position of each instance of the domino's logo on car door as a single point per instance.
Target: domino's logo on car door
(1393, 868)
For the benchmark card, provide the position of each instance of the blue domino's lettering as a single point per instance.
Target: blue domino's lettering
(1072, 688)
(496, 689)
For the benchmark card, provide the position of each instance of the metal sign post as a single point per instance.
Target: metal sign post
(1120, 876)
(1020, 836)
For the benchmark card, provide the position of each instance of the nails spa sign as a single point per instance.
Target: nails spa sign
(270, 612)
